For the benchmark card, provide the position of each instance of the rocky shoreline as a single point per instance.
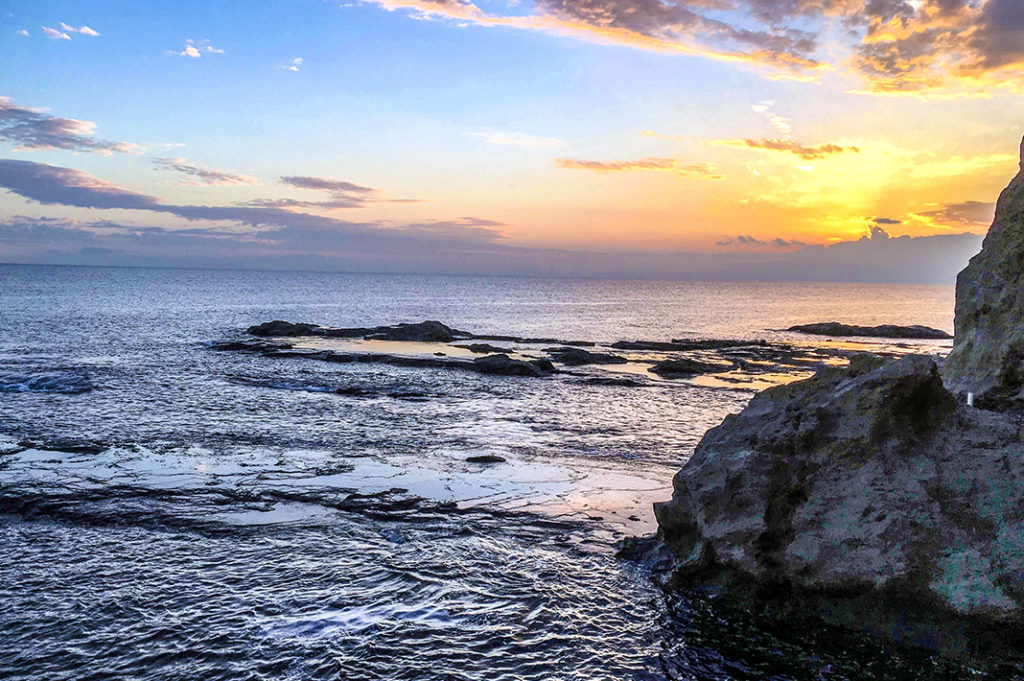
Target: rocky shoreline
(733, 361)
(873, 496)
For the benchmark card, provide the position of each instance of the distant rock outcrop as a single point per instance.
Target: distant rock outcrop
(428, 331)
(988, 353)
(883, 331)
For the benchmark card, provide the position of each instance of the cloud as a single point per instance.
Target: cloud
(807, 153)
(748, 240)
(327, 184)
(31, 128)
(447, 247)
(517, 139)
(54, 34)
(23, 32)
(271, 237)
(68, 187)
(965, 214)
(200, 175)
(84, 30)
(196, 49)
(343, 194)
(885, 221)
(656, 164)
(293, 65)
(54, 185)
(780, 123)
(915, 47)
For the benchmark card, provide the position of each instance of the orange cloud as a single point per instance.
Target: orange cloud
(815, 153)
(649, 163)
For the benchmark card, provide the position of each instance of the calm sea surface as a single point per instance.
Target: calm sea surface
(178, 512)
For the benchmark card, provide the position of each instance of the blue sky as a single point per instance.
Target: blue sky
(627, 127)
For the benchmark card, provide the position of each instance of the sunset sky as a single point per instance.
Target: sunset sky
(577, 137)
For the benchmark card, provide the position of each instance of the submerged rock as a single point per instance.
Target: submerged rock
(883, 331)
(988, 353)
(867, 485)
(681, 367)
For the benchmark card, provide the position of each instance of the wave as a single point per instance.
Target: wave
(68, 382)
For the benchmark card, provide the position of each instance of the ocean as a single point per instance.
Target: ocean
(169, 510)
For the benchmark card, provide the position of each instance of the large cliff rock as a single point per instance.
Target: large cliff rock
(870, 481)
(988, 353)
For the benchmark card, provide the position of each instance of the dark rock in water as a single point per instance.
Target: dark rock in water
(575, 357)
(883, 331)
(282, 328)
(504, 365)
(486, 458)
(427, 332)
(682, 367)
(611, 380)
(483, 348)
(867, 486)
(685, 344)
(66, 446)
(988, 353)
(662, 346)
(534, 341)
(250, 346)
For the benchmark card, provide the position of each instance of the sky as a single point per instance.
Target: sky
(850, 140)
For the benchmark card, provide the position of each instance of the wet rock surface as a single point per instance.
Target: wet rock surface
(882, 331)
(682, 367)
(988, 353)
(575, 357)
(861, 486)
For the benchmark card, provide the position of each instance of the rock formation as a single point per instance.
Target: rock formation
(870, 479)
(988, 353)
(872, 492)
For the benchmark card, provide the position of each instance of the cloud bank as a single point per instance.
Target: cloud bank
(272, 237)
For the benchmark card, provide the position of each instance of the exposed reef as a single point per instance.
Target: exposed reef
(872, 495)
(737, 363)
(883, 331)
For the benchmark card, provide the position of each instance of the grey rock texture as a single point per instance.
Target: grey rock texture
(988, 353)
(869, 479)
